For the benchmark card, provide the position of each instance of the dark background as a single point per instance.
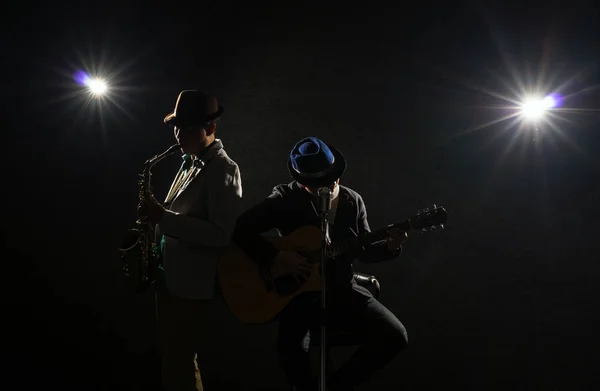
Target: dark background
(504, 298)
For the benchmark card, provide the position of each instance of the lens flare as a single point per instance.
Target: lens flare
(536, 108)
(96, 86)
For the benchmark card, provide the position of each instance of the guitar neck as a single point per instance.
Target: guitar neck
(358, 243)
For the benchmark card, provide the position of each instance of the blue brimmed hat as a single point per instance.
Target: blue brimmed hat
(312, 162)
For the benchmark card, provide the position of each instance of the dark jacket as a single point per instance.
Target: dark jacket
(290, 207)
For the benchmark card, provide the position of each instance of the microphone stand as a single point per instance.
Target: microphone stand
(324, 206)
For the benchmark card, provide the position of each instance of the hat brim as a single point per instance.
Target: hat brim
(172, 119)
(338, 169)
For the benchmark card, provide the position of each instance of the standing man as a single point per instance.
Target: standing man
(196, 221)
(314, 164)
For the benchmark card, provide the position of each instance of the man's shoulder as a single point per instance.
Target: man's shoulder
(224, 161)
(285, 189)
(350, 192)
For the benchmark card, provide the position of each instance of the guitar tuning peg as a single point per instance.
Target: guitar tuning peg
(434, 206)
(442, 226)
(424, 230)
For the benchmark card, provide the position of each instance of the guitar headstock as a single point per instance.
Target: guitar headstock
(429, 219)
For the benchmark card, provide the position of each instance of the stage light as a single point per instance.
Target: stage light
(537, 108)
(96, 86)
(97, 91)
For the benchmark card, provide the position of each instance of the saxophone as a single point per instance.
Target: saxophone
(138, 251)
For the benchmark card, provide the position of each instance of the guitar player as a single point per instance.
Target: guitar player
(314, 164)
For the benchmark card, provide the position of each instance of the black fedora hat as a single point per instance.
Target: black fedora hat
(194, 107)
(312, 162)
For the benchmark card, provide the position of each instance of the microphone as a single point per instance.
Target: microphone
(325, 195)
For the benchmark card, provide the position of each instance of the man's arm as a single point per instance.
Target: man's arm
(378, 251)
(224, 200)
(254, 222)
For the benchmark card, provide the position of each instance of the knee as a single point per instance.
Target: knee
(401, 337)
(395, 338)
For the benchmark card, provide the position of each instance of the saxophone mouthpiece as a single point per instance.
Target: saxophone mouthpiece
(157, 158)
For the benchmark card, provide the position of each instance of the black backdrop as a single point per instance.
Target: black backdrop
(503, 298)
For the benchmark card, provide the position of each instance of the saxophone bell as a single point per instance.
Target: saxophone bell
(131, 240)
(131, 255)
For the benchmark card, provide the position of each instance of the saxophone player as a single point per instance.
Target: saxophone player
(195, 221)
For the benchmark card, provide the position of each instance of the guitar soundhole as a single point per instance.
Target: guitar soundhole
(287, 285)
(283, 286)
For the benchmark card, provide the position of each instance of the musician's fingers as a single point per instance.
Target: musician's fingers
(303, 274)
(300, 256)
(305, 265)
(300, 276)
(303, 270)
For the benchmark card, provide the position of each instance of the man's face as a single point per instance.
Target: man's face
(191, 138)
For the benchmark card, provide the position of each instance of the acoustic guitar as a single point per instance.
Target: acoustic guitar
(254, 296)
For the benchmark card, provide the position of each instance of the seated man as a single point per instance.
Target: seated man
(314, 164)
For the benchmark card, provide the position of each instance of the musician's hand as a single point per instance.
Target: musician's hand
(151, 209)
(395, 239)
(290, 263)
